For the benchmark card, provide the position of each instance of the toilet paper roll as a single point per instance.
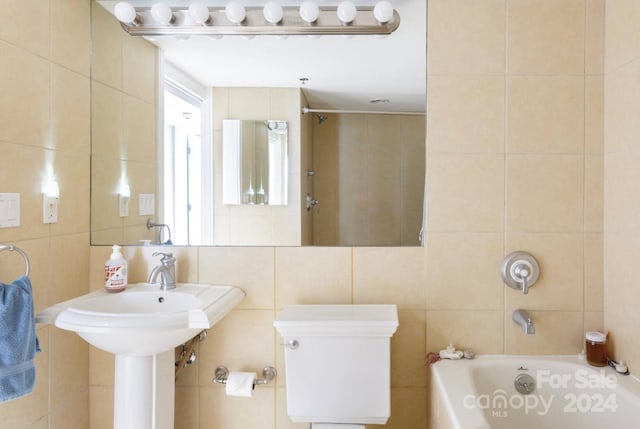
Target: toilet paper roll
(240, 384)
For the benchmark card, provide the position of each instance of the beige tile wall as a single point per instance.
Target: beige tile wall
(123, 132)
(514, 162)
(369, 179)
(621, 179)
(259, 225)
(44, 129)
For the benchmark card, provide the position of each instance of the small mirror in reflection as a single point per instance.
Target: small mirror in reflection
(254, 167)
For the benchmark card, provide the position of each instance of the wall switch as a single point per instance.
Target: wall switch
(49, 209)
(146, 204)
(9, 210)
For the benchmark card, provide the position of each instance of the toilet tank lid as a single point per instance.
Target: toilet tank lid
(368, 320)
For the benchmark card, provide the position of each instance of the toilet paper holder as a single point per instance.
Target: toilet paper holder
(222, 372)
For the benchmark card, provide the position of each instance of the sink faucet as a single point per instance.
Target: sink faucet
(166, 270)
(159, 228)
(522, 318)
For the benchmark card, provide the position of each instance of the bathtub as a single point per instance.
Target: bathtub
(568, 393)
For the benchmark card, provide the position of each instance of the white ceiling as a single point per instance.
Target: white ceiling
(343, 73)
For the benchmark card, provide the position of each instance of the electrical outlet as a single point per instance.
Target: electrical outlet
(49, 209)
(124, 206)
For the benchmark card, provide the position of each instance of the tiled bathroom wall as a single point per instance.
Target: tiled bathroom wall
(514, 163)
(621, 180)
(123, 128)
(44, 132)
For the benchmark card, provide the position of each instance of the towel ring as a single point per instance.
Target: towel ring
(12, 248)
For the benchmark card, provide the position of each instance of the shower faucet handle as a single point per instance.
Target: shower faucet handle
(520, 270)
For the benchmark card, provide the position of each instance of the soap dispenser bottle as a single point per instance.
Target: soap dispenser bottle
(115, 271)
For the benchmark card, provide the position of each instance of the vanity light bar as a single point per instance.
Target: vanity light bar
(145, 23)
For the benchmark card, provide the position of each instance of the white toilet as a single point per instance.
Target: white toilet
(337, 363)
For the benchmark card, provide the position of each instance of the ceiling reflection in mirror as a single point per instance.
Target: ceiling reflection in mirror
(365, 171)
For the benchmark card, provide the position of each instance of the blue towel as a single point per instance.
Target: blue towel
(18, 341)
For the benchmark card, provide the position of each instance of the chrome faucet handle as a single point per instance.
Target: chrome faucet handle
(520, 270)
(166, 270)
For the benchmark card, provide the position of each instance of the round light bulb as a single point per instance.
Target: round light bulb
(383, 11)
(199, 12)
(346, 12)
(235, 12)
(309, 11)
(272, 12)
(161, 13)
(125, 12)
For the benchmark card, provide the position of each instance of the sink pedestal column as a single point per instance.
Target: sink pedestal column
(144, 391)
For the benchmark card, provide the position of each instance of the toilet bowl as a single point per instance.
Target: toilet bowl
(337, 363)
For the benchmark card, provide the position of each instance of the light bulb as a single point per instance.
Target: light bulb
(235, 12)
(161, 13)
(199, 12)
(125, 190)
(346, 12)
(309, 11)
(125, 12)
(383, 11)
(51, 189)
(272, 12)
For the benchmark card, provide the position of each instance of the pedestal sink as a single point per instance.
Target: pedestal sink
(141, 326)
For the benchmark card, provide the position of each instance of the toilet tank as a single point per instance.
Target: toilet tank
(337, 362)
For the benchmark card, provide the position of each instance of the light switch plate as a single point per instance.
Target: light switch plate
(146, 204)
(9, 210)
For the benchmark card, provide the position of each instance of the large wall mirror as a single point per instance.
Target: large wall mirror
(343, 160)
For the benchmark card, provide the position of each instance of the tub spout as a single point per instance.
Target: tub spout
(522, 318)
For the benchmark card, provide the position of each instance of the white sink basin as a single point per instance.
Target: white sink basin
(143, 320)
